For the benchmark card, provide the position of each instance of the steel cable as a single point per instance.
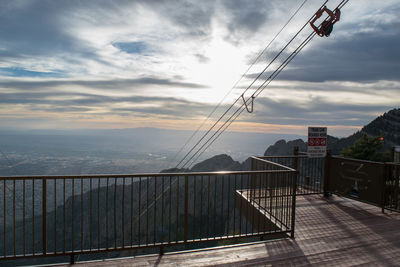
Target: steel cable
(240, 79)
(251, 84)
(256, 93)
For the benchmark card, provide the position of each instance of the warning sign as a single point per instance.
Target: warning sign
(317, 141)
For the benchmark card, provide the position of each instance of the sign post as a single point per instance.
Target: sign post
(317, 141)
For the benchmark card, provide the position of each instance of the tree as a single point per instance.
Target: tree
(367, 148)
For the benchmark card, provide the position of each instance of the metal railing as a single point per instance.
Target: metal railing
(391, 197)
(71, 215)
(275, 193)
(310, 172)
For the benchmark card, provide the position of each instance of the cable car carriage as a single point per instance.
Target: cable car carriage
(326, 27)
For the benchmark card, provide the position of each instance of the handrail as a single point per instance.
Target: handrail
(310, 171)
(359, 160)
(136, 175)
(88, 214)
(274, 164)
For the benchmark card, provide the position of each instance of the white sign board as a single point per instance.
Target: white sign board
(317, 141)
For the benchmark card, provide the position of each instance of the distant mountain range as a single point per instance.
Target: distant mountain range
(386, 125)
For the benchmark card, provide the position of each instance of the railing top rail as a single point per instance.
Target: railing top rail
(279, 157)
(397, 164)
(143, 175)
(359, 160)
(274, 163)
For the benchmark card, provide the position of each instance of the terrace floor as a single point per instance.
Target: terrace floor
(329, 232)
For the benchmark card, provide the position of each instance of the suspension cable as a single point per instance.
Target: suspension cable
(250, 99)
(242, 109)
(255, 94)
(251, 84)
(240, 79)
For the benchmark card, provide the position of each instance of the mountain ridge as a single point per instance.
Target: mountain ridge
(386, 125)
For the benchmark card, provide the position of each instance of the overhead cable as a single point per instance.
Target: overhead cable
(233, 117)
(248, 87)
(240, 79)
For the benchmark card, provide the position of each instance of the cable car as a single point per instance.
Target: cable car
(326, 27)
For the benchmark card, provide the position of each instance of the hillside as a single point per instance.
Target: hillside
(386, 125)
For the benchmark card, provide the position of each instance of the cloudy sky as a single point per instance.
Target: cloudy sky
(167, 64)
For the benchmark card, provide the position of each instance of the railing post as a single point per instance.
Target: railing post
(294, 184)
(328, 158)
(394, 175)
(252, 180)
(296, 162)
(185, 228)
(385, 178)
(296, 158)
(44, 214)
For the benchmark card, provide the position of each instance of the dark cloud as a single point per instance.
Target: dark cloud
(170, 107)
(362, 52)
(71, 98)
(79, 102)
(60, 109)
(45, 28)
(245, 17)
(33, 28)
(193, 17)
(30, 28)
(362, 58)
(43, 95)
(316, 111)
(42, 28)
(99, 84)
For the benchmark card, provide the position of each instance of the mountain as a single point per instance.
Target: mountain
(283, 148)
(222, 162)
(217, 163)
(386, 125)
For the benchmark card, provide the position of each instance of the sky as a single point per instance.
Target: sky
(166, 64)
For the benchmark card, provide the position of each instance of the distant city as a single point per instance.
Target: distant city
(139, 150)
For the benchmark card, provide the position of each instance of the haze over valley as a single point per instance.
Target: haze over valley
(140, 150)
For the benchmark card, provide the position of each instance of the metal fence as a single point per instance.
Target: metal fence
(70, 215)
(392, 187)
(274, 192)
(310, 172)
(375, 183)
(357, 179)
